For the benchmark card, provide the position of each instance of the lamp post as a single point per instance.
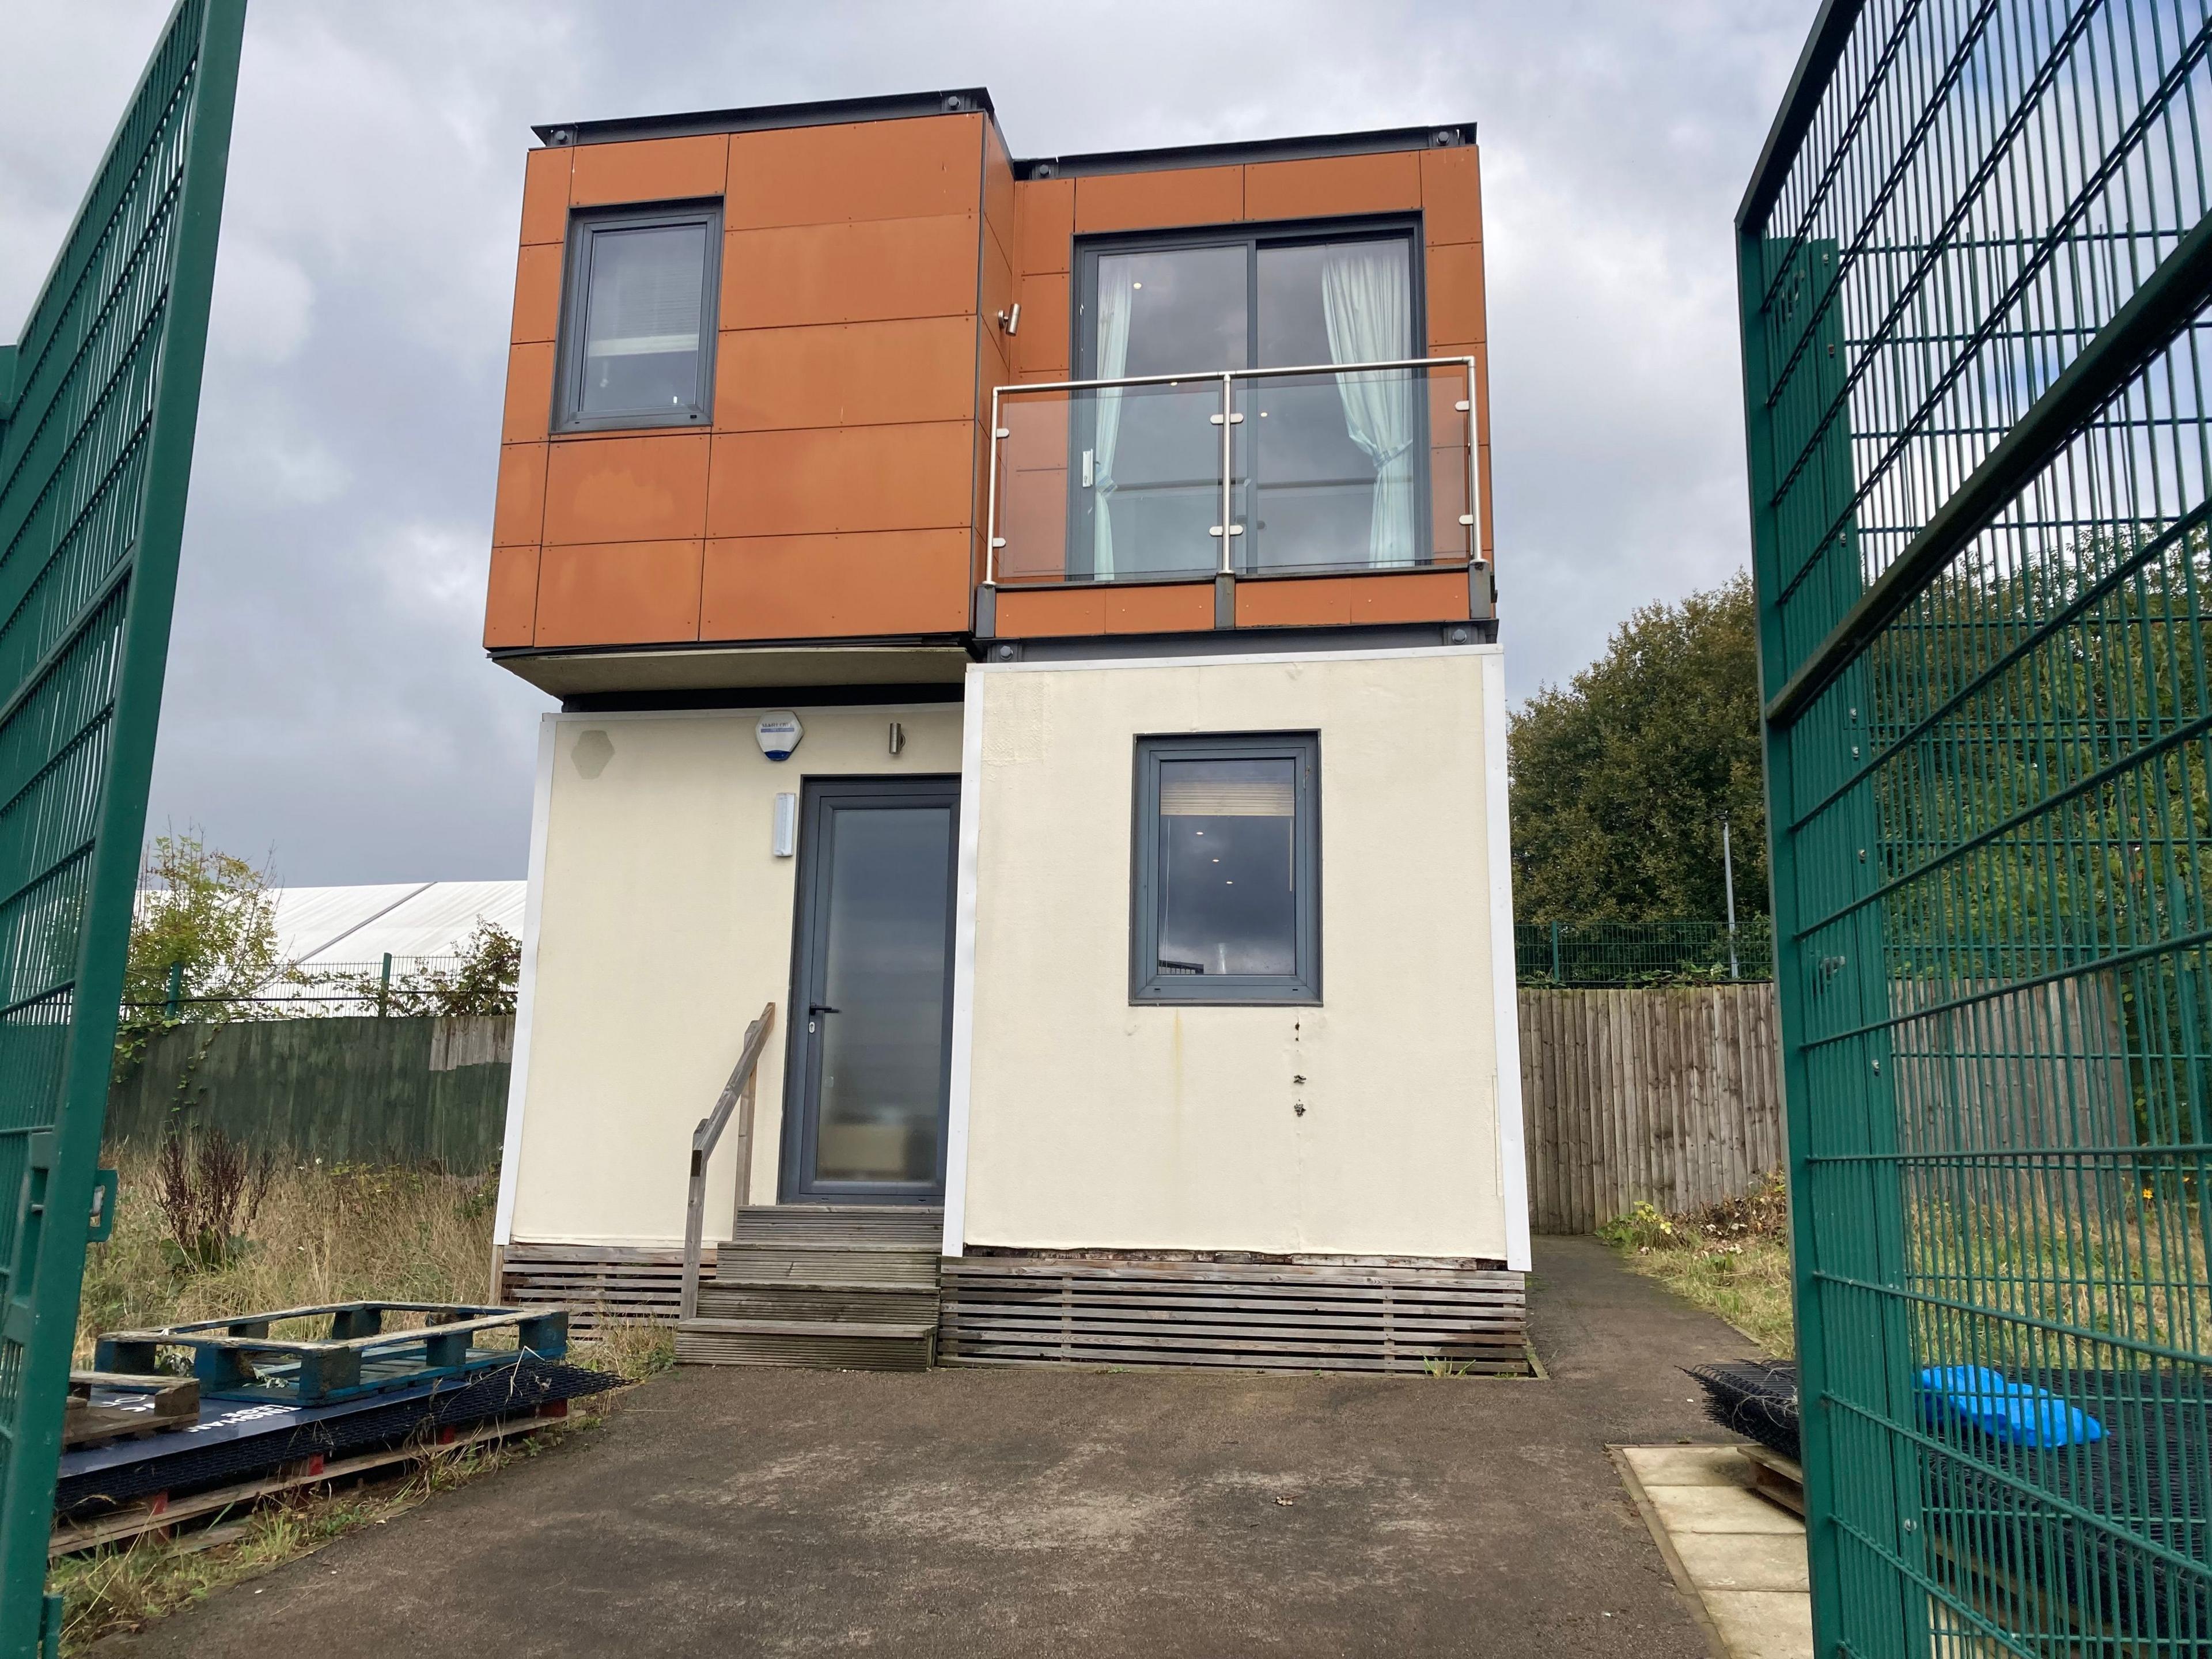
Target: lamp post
(1728, 876)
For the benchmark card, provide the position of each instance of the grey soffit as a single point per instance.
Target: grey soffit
(962, 100)
(710, 668)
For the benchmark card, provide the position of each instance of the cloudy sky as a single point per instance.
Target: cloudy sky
(329, 705)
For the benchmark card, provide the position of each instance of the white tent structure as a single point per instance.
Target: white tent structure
(319, 927)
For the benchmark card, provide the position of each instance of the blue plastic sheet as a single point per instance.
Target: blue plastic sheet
(2017, 1413)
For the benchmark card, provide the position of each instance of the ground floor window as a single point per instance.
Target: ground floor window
(1226, 870)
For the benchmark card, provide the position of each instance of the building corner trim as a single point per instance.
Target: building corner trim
(1512, 1154)
(525, 997)
(961, 1069)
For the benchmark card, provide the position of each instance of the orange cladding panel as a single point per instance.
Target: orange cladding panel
(1456, 308)
(511, 603)
(546, 194)
(1033, 524)
(1041, 345)
(649, 170)
(1327, 185)
(848, 374)
(1451, 194)
(537, 292)
(1146, 201)
(1048, 223)
(529, 413)
(832, 478)
(789, 587)
(902, 169)
(1185, 608)
(518, 514)
(605, 489)
(1293, 602)
(794, 275)
(618, 593)
(1041, 613)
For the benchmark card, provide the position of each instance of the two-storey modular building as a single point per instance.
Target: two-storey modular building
(1026, 636)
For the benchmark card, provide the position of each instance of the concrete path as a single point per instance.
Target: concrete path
(981, 1513)
(1744, 1556)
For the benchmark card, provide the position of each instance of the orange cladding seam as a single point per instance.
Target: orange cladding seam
(649, 170)
(818, 480)
(1323, 187)
(626, 489)
(870, 270)
(837, 585)
(902, 169)
(618, 593)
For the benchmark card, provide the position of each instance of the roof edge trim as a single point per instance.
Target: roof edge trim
(765, 117)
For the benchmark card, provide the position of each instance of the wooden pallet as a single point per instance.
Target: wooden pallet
(173, 1402)
(1244, 1315)
(596, 1282)
(240, 1358)
(1775, 1477)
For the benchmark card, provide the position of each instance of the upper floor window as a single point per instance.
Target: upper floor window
(637, 320)
(1327, 468)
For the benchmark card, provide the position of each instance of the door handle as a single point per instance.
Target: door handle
(1087, 468)
(821, 1008)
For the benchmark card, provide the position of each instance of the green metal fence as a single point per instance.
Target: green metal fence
(97, 404)
(1564, 955)
(1975, 264)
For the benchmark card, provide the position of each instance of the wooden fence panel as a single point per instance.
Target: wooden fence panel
(1669, 1097)
(410, 1090)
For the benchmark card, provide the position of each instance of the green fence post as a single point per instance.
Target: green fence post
(1555, 978)
(95, 457)
(176, 992)
(383, 988)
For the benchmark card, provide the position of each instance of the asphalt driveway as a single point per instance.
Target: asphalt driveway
(1027, 1512)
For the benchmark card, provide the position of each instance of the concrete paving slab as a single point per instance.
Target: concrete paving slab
(1719, 1508)
(1744, 1560)
(1740, 1555)
(997, 1513)
(1686, 1466)
(1763, 1624)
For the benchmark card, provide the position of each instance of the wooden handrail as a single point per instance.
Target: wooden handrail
(736, 1096)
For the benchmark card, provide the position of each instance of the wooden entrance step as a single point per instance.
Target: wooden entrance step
(830, 1345)
(852, 1286)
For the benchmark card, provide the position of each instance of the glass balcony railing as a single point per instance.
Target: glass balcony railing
(1250, 473)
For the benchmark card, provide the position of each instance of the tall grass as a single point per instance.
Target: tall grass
(1731, 1259)
(325, 1233)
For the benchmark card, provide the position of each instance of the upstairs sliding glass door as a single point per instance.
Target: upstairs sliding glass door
(1326, 470)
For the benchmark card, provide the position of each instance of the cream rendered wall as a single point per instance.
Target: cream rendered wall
(1088, 1122)
(659, 922)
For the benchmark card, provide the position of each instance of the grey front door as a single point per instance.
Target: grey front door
(871, 991)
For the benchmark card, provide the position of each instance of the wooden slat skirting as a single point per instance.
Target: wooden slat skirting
(1254, 1315)
(598, 1282)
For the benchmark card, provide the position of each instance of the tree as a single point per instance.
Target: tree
(487, 966)
(1619, 778)
(203, 941)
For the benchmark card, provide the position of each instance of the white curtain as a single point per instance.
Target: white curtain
(1365, 298)
(1115, 296)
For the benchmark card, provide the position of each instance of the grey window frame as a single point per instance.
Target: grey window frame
(1328, 232)
(568, 358)
(1147, 985)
